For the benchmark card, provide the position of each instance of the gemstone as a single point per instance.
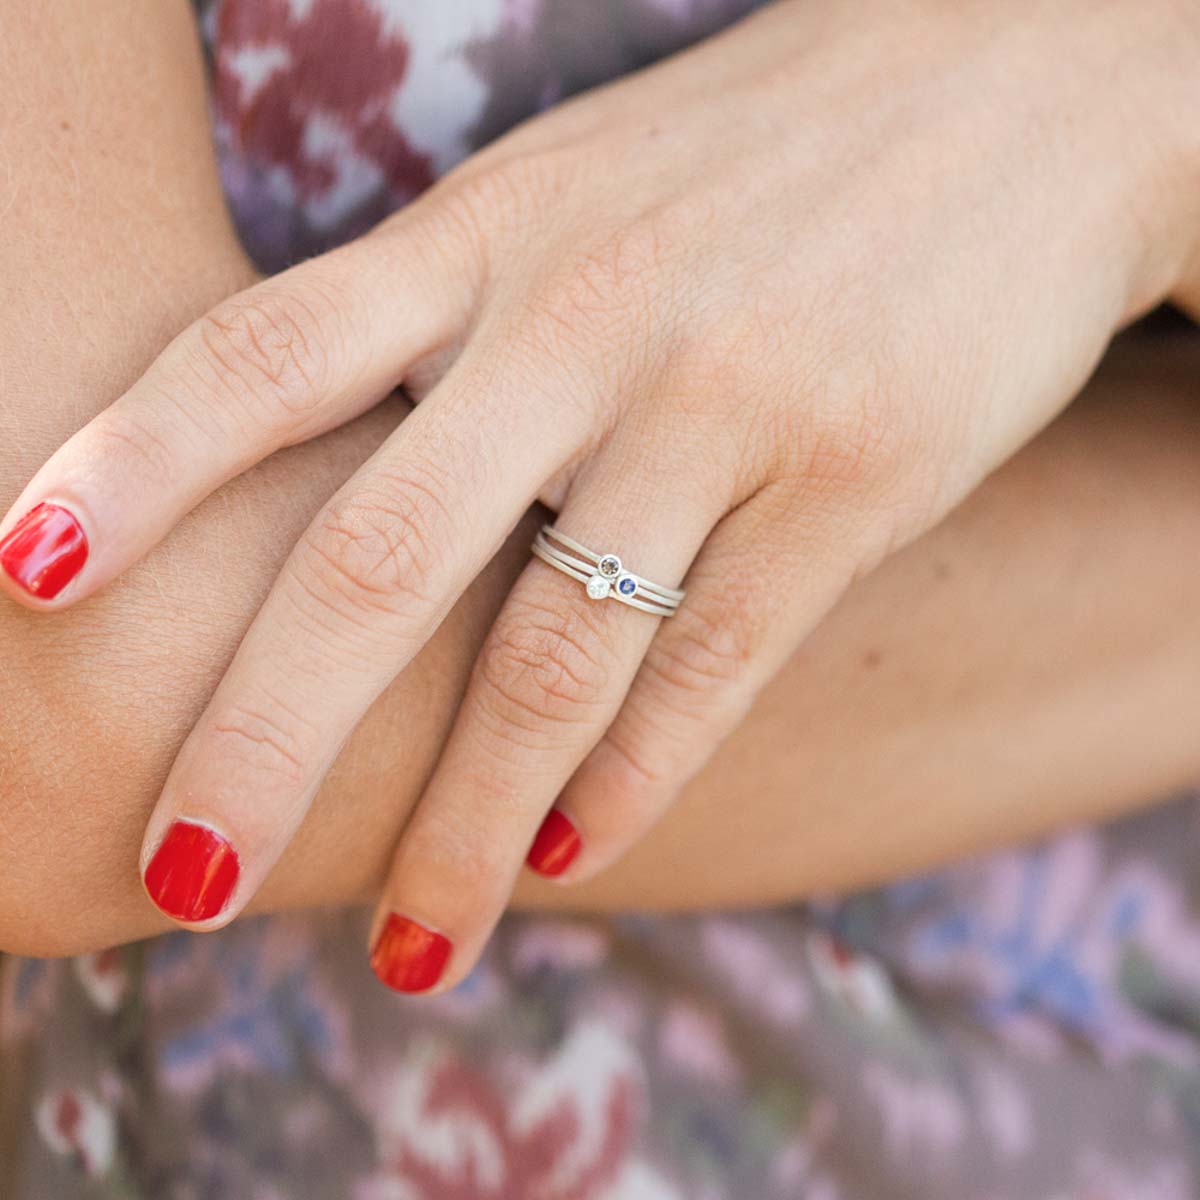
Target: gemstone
(627, 585)
(597, 588)
(609, 566)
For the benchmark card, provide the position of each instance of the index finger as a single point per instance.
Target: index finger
(276, 364)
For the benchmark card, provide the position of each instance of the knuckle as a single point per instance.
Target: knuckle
(692, 689)
(376, 551)
(849, 451)
(273, 345)
(500, 192)
(263, 736)
(863, 442)
(708, 646)
(542, 667)
(643, 766)
(618, 302)
(610, 283)
(620, 263)
(129, 440)
(458, 844)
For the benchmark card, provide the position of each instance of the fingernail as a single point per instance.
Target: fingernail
(192, 873)
(408, 957)
(556, 846)
(45, 551)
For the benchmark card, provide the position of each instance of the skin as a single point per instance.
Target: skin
(1031, 661)
(687, 370)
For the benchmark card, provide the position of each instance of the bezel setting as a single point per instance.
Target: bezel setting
(603, 576)
(609, 566)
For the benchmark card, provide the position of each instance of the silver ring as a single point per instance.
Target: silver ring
(603, 575)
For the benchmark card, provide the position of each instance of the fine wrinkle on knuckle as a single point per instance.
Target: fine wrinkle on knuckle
(611, 290)
(455, 231)
(503, 193)
(202, 420)
(633, 263)
(543, 666)
(131, 443)
(273, 343)
(458, 844)
(376, 552)
(858, 449)
(746, 353)
(643, 772)
(618, 265)
(708, 647)
(334, 633)
(421, 485)
(264, 740)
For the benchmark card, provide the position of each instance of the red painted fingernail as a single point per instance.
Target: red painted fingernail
(408, 957)
(193, 872)
(45, 551)
(556, 846)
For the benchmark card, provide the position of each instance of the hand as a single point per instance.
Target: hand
(759, 337)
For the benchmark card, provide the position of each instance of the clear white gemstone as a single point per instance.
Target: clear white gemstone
(609, 566)
(597, 587)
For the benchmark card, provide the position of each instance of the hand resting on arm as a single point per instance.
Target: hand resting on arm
(1033, 661)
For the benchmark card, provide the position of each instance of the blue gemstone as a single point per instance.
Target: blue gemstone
(627, 587)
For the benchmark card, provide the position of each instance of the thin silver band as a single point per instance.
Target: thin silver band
(603, 575)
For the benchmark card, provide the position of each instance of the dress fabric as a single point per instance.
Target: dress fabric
(1025, 1026)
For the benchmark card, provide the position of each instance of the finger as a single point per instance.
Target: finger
(549, 679)
(364, 588)
(754, 591)
(274, 365)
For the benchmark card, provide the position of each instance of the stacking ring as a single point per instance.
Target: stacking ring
(603, 575)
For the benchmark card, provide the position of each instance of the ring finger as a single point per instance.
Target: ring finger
(551, 676)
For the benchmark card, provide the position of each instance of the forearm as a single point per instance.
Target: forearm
(1033, 661)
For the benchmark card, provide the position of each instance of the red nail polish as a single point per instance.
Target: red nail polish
(45, 551)
(192, 873)
(556, 846)
(408, 957)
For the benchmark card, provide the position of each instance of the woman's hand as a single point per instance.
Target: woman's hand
(756, 317)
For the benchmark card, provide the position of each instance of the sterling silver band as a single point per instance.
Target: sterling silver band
(603, 574)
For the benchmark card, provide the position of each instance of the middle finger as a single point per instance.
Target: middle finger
(363, 590)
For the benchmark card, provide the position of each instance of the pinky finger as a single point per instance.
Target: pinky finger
(747, 607)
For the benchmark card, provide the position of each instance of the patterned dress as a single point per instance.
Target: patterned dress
(1022, 1027)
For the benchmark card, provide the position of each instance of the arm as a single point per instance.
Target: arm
(1046, 631)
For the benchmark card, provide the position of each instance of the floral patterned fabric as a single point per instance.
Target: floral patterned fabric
(1023, 1027)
